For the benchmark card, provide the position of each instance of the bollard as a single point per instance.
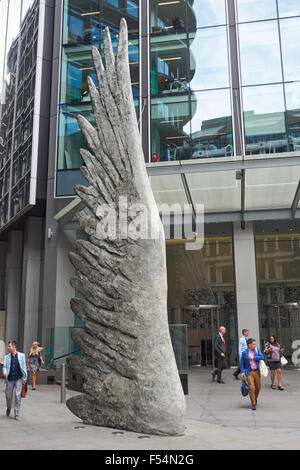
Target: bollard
(63, 384)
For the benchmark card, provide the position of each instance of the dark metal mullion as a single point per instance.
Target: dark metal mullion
(235, 79)
(189, 197)
(188, 76)
(243, 197)
(237, 114)
(295, 201)
(282, 72)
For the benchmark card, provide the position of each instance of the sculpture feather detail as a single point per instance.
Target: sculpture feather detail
(131, 379)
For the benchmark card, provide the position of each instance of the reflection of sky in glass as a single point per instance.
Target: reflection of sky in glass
(290, 39)
(209, 58)
(210, 105)
(289, 7)
(249, 10)
(209, 12)
(260, 53)
(12, 29)
(3, 18)
(26, 6)
(292, 96)
(264, 100)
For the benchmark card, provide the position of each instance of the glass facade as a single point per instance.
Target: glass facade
(83, 27)
(18, 55)
(197, 66)
(270, 74)
(190, 81)
(201, 292)
(278, 272)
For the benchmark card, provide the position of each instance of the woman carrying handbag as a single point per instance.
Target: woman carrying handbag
(273, 353)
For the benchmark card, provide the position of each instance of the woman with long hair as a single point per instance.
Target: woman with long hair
(34, 361)
(273, 352)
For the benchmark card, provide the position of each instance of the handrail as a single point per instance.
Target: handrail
(51, 362)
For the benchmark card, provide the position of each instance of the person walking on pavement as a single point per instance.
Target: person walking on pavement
(14, 373)
(34, 362)
(249, 366)
(242, 347)
(273, 352)
(220, 347)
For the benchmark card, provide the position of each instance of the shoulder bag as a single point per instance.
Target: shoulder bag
(264, 371)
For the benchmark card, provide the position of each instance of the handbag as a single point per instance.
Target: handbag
(283, 360)
(263, 368)
(24, 390)
(244, 388)
(264, 371)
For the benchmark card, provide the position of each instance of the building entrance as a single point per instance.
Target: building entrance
(283, 320)
(203, 324)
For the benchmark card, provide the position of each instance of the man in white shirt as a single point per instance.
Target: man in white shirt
(242, 346)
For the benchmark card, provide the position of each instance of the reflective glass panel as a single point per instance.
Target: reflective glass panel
(169, 190)
(206, 13)
(203, 277)
(211, 124)
(260, 53)
(271, 188)
(209, 58)
(169, 65)
(264, 121)
(26, 5)
(290, 42)
(170, 121)
(3, 20)
(71, 139)
(292, 96)
(167, 17)
(82, 22)
(289, 7)
(278, 269)
(218, 190)
(83, 27)
(250, 10)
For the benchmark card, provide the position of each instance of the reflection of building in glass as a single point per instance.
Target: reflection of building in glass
(83, 28)
(18, 152)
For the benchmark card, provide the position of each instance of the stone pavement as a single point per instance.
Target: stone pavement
(217, 417)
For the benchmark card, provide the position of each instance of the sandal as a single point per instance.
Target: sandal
(280, 387)
(273, 386)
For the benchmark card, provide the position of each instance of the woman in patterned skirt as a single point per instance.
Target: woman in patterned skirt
(34, 361)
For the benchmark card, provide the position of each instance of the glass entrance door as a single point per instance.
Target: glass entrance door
(203, 323)
(283, 320)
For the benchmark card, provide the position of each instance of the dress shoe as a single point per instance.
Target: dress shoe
(236, 376)
(213, 376)
(16, 416)
(7, 411)
(220, 381)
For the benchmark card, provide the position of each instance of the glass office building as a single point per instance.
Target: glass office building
(217, 91)
(24, 98)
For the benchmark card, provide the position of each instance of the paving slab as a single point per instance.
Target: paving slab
(217, 417)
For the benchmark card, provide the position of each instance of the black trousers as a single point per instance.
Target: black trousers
(237, 372)
(221, 365)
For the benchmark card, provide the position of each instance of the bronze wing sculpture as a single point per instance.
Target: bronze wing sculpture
(130, 376)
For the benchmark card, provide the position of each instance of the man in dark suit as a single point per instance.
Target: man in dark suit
(220, 348)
